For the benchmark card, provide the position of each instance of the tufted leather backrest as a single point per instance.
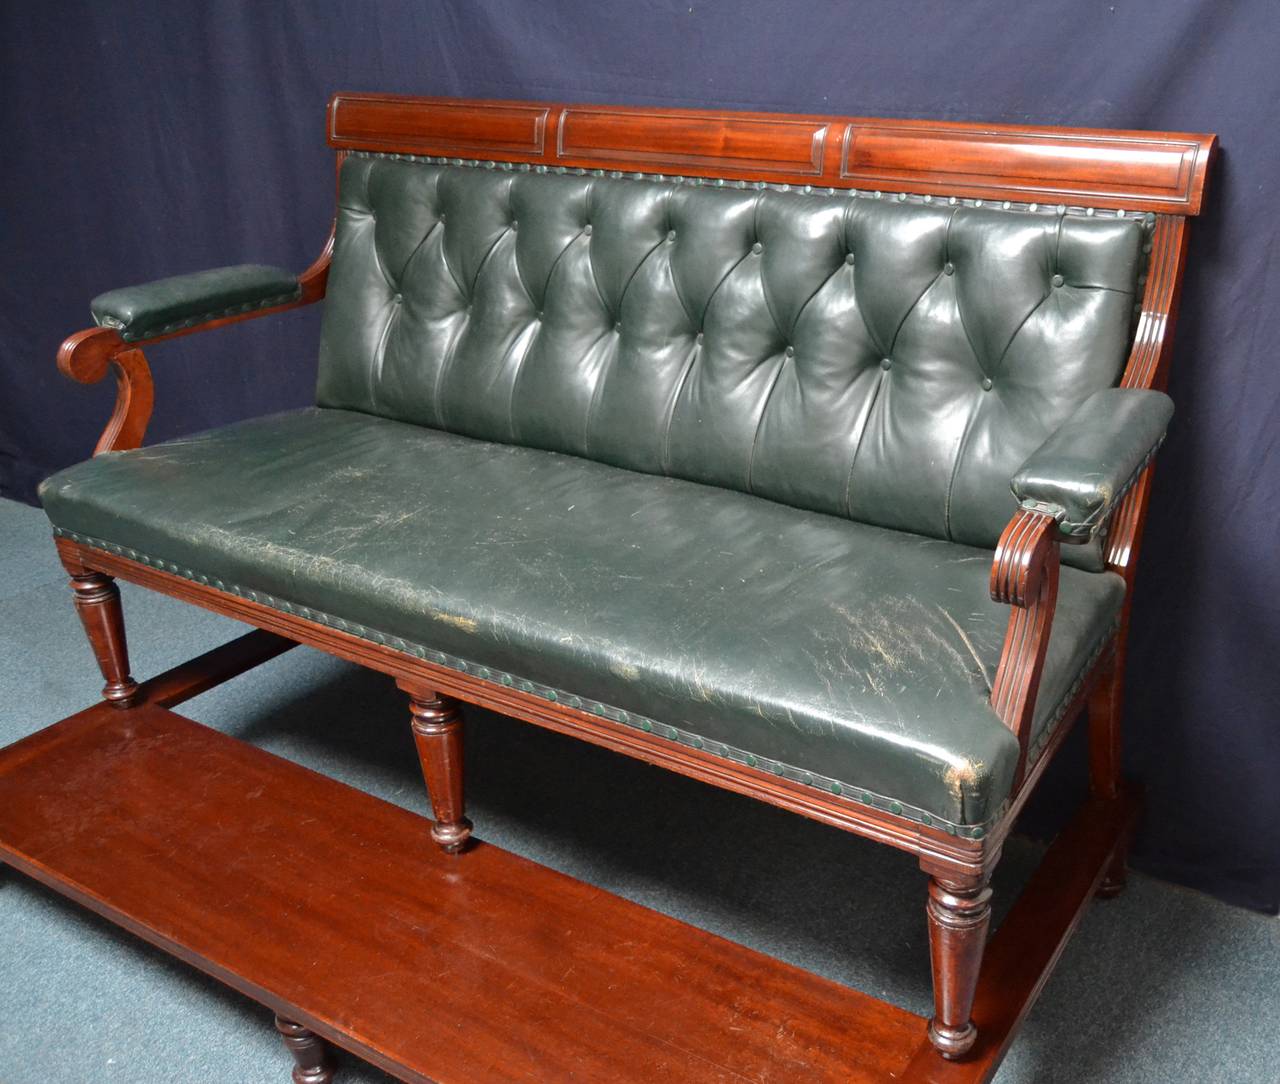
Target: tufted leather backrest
(886, 360)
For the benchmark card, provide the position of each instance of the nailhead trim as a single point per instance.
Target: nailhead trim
(141, 334)
(1146, 219)
(1086, 528)
(851, 794)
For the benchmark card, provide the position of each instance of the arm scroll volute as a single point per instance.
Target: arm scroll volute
(87, 356)
(1024, 576)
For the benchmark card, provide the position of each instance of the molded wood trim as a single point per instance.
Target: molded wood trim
(1130, 170)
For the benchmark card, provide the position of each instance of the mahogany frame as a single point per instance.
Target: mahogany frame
(1156, 174)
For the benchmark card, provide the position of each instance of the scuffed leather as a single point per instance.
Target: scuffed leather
(1085, 467)
(183, 301)
(855, 652)
(883, 361)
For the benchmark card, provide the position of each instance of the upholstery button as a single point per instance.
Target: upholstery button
(671, 235)
(617, 326)
(791, 351)
(587, 229)
(886, 364)
(514, 224)
(986, 383)
(757, 248)
(1058, 280)
(849, 259)
(699, 338)
(948, 268)
(398, 299)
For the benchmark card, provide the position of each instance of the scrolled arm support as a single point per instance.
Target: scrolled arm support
(87, 356)
(1024, 576)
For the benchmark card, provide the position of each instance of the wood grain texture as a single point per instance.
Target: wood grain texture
(338, 912)
(1129, 170)
(190, 839)
(674, 141)
(1133, 170)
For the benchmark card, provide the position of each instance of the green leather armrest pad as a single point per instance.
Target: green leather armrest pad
(1085, 467)
(168, 305)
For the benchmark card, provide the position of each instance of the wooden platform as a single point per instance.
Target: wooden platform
(335, 909)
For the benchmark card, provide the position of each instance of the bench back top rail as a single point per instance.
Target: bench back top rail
(1163, 172)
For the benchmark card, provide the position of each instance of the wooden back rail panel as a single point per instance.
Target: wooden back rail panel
(1121, 170)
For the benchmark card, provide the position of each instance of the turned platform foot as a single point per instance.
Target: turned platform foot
(1115, 879)
(310, 1052)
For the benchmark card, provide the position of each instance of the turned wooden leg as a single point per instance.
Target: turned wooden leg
(437, 732)
(959, 914)
(311, 1053)
(98, 603)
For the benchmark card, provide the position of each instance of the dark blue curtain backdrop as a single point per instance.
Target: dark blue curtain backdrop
(147, 139)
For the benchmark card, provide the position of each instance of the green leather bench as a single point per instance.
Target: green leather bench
(822, 492)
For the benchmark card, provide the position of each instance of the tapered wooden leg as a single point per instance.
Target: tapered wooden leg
(98, 603)
(1106, 767)
(959, 914)
(437, 732)
(310, 1052)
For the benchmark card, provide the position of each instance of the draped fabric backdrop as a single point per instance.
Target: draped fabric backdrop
(149, 139)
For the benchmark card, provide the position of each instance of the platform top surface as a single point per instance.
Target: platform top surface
(336, 909)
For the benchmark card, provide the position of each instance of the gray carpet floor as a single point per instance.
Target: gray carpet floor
(1161, 984)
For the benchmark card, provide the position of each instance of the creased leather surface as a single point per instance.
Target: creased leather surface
(860, 653)
(892, 363)
(1093, 457)
(165, 305)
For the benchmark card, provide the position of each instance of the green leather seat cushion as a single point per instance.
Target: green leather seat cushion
(852, 657)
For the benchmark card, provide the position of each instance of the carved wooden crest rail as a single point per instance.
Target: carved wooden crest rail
(1137, 171)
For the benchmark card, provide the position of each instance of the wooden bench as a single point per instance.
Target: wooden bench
(805, 456)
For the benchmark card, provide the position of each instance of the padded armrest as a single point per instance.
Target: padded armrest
(1081, 472)
(184, 301)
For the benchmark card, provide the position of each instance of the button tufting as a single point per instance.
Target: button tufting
(617, 326)
(757, 248)
(514, 224)
(699, 337)
(398, 299)
(986, 383)
(790, 351)
(587, 229)
(1058, 280)
(948, 268)
(671, 235)
(849, 258)
(886, 364)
